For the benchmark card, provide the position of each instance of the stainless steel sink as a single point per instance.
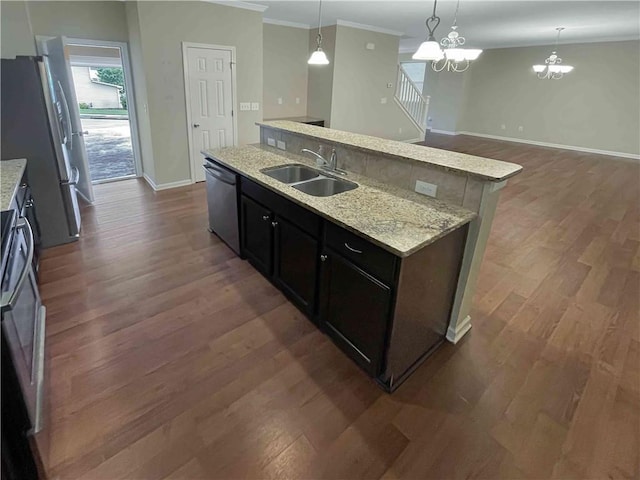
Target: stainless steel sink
(291, 173)
(325, 187)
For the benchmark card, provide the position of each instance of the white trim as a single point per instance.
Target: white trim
(442, 132)
(131, 100)
(187, 96)
(284, 23)
(165, 186)
(413, 140)
(611, 153)
(371, 28)
(237, 4)
(454, 334)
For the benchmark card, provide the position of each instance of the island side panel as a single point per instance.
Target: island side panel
(424, 300)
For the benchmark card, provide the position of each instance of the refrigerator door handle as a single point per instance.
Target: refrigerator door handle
(75, 179)
(67, 121)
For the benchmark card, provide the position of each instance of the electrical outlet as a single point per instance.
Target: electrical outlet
(389, 85)
(521, 128)
(503, 127)
(282, 145)
(399, 129)
(426, 188)
(370, 46)
(298, 100)
(279, 100)
(383, 100)
(271, 142)
(255, 106)
(245, 106)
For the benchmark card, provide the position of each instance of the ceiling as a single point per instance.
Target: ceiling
(485, 24)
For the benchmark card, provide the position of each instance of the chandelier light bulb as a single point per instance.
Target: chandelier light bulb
(553, 69)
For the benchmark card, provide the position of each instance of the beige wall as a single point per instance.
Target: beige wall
(16, 37)
(285, 71)
(447, 92)
(595, 106)
(320, 84)
(140, 91)
(92, 20)
(163, 27)
(360, 81)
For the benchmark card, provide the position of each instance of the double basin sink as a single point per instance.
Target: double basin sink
(309, 180)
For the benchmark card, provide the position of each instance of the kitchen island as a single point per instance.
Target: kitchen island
(378, 268)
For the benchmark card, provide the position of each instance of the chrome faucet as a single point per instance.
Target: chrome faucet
(331, 164)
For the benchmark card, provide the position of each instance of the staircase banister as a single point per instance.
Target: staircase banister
(415, 87)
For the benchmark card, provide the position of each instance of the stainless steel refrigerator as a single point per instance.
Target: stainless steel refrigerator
(37, 123)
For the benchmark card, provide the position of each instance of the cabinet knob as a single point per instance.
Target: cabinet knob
(323, 258)
(274, 224)
(266, 218)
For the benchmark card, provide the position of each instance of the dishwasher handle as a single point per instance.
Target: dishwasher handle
(219, 174)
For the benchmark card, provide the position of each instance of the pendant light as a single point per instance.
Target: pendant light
(553, 68)
(318, 57)
(430, 48)
(456, 58)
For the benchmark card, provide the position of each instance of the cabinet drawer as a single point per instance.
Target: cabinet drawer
(301, 217)
(371, 258)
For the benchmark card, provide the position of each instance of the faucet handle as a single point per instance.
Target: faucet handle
(320, 149)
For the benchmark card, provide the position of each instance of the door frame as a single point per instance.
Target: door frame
(193, 165)
(128, 81)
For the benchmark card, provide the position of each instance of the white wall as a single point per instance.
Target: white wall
(163, 26)
(90, 92)
(285, 71)
(360, 80)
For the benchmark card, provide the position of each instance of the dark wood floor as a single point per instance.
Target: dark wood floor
(172, 358)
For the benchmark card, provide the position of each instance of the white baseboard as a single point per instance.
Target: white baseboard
(455, 333)
(611, 153)
(166, 186)
(443, 132)
(413, 140)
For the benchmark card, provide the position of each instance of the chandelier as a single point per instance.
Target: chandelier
(452, 56)
(553, 68)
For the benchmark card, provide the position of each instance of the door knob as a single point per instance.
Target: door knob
(196, 125)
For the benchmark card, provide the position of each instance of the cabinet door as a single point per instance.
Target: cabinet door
(257, 234)
(354, 310)
(296, 260)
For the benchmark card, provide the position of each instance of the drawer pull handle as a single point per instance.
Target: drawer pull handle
(274, 224)
(354, 250)
(266, 218)
(323, 258)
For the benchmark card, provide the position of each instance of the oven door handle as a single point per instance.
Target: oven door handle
(9, 298)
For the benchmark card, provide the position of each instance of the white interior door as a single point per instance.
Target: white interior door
(64, 95)
(210, 96)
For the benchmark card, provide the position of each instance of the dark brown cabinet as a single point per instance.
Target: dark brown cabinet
(295, 263)
(385, 312)
(354, 310)
(281, 240)
(257, 234)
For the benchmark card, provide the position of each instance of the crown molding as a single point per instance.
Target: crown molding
(284, 23)
(371, 28)
(254, 7)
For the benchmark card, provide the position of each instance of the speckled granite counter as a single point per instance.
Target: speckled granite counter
(11, 172)
(483, 168)
(399, 221)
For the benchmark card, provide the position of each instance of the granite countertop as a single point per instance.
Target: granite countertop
(11, 172)
(399, 221)
(483, 168)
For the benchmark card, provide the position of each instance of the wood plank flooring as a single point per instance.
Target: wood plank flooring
(172, 358)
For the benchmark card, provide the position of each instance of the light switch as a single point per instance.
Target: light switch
(244, 106)
(255, 106)
(298, 100)
(282, 145)
(271, 142)
(371, 46)
(279, 100)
